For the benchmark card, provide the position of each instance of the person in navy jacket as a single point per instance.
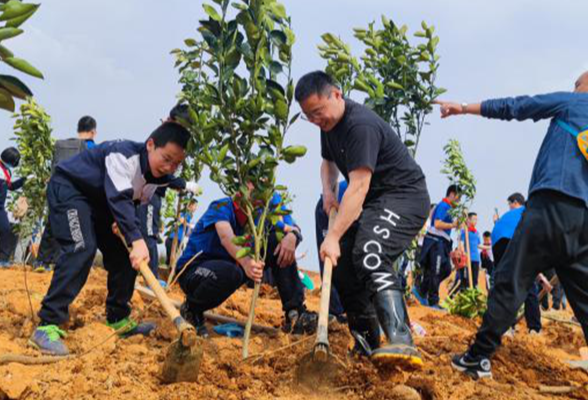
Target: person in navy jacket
(87, 195)
(553, 230)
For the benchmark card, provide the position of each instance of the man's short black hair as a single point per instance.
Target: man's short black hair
(170, 132)
(317, 82)
(86, 124)
(516, 198)
(452, 189)
(487, 234)
(179, 112)
(472, 214)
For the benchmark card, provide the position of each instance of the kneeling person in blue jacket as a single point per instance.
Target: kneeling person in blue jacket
(87, 194)
(216, 273)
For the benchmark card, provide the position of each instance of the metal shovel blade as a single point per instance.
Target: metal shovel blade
(182, 363)
(316, 369)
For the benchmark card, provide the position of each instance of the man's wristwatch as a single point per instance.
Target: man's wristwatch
(464, 107)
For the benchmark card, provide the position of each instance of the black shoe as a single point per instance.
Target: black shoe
(339, 318)
(366, 332)
(476, 367)
(300, 321)
(196, 319)
(399, 349)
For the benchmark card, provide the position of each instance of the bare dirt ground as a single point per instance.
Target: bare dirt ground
(128, 369)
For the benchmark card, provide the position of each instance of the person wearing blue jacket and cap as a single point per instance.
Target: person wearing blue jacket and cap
(209, 279)
(553, 230)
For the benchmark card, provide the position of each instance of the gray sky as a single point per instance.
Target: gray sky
(110, 59)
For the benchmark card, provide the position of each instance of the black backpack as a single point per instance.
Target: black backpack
(67, 148)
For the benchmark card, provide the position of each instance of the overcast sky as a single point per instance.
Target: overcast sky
(110, 59)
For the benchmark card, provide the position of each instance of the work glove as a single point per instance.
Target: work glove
(194, 188)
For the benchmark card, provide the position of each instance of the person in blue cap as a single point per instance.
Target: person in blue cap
(553, 231)
(213, 276)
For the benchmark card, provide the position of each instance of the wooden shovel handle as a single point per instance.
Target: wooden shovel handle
(187, 333)
(322, 336)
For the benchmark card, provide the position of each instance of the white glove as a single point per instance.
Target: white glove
(194, 188)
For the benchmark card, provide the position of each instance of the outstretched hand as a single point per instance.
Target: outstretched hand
(449, 108)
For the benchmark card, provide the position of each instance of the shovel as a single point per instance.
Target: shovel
(183, 356)
(319, 365)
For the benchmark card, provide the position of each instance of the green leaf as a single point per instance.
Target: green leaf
(244, 252)
(15, 86)
(295, 151)
(14, 9)
(7, 33)
(23, 66)
(212, 13)
(18, 21)
(6, 100)
(5, 52)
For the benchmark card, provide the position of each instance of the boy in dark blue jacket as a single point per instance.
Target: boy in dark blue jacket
(89, 193)
(553, 230)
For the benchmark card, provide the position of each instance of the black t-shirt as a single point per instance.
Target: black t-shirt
(363, 139)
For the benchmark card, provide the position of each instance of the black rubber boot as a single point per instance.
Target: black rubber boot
(366, 332)
(399, 349)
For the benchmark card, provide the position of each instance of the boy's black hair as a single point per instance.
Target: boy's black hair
(452, 189)
(472, 214)
(10, 156)
(86, 124)
(170, 132)
(487, 234)
(179, 112)
(516, 198)
(317, 82)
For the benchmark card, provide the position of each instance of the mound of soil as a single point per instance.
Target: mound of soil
(116, 368)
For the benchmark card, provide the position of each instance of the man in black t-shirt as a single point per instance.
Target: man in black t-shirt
(383, 209)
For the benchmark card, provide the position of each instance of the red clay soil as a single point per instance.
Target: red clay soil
(128, 369)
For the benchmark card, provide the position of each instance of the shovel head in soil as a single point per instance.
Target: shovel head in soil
(316, 369)
(182, 363)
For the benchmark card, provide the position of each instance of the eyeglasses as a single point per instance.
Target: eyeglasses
(316, 114)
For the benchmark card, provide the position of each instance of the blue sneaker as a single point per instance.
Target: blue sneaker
(127, 327)
(5, 264)
(420, 298)
(48, 339)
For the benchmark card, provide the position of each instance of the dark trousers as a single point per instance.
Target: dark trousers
(209, 283)
(553, 232)
(436, 266)
(532, 309)
(153, 255)
(370, 248)
(8, 239)
(168, 249)
(82, 227)
(321, 220)
(557, 293)
(49, 247)
(464, 278)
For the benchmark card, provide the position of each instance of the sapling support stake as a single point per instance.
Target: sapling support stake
(173, 256)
